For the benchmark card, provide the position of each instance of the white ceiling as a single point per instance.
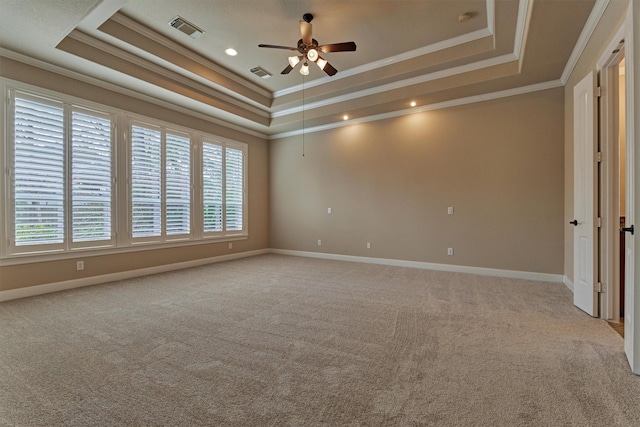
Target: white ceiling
(406, 50)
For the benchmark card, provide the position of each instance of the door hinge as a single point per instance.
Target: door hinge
(598, 91)
(598, 222)
(599, 156)
(598, 287)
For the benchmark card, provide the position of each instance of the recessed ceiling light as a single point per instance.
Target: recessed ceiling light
(414, 103)
(345, 117)
(231, 52)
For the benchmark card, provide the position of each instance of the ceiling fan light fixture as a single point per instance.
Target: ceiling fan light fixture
(312, 55)
(309, 50)
(293, 60)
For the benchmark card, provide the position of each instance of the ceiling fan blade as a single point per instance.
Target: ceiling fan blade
(338, 47)
(305, 30)
(287, 70)
(328, 68)
(273, 46)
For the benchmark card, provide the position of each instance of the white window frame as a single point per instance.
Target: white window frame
(225, 143)
(190, 137)
(163, 129)
(114, 155)
(10, 173)
(120, 207)
(9, 246)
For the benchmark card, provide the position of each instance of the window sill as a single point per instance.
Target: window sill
(35, 257)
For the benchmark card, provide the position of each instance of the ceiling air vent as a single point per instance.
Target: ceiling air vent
(186, 27)
(260, 72)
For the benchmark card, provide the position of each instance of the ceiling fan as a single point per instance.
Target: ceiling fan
(309, 50)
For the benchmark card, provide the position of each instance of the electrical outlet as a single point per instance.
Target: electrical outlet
(319, 242)
(329, 210)
(450, 251)
(368, 245)
(79, 265)
(230, 245)
(450, 210)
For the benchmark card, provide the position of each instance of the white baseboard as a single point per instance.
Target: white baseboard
(568, 283)
(95, 280)
(540, 277)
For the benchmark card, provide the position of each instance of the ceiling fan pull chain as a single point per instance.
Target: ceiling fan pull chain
(303, 115)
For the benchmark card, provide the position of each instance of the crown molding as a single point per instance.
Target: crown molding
(491, 16)
(585, 35)
(489, 30)
(430, 107)
(522, 27)
(165, 72)
(241, 125)
(175, 47)
(491, 62)
(65, 72)
(446, 44)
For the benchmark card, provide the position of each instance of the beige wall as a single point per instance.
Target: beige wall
(19, 276)
(501, 164)
(498, 163)
(609, 24)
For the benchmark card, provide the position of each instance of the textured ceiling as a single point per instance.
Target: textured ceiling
(406, 50)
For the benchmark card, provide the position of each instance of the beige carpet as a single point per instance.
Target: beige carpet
(287, 341)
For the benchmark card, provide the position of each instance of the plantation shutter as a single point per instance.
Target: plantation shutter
(91, 180)
(212, 186)
(146, 182)
(62, 192)
(38, 185)
(234, 189)
(178, 184)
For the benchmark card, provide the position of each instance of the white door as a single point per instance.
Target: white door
(629, 253)
(631, 344)
(585, 178)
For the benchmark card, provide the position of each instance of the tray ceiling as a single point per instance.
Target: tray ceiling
(406, 51)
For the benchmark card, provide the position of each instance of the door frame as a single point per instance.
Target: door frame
(609, 249)
(609, 185)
